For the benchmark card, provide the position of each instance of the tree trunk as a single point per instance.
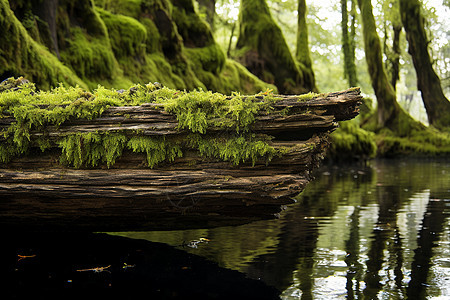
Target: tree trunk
(395, 75)
(348, 47)
(436, 104)
(303, 55)
(263, 49)
(209, 7)
(391, 9)
(388, 107)
(47, 10)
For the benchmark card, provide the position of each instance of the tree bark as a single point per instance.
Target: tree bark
(392, 13)
(436, 104)
(348, 47)
(263, 49)
(303, 53)
(388, 107)
(210, 9)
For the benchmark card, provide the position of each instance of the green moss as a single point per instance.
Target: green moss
(406, 136)
(350, 141)
(90, 149)
(200, 109)
(196, 111)
(89, 57)
(156, 149)
(235, 77)
(235, 149)
(153, 43)
(128, 36)
(307, 96)
(117, 43)
(263, 49)
(21, 55)
(210, 58)
(131, 8)
(423, 142)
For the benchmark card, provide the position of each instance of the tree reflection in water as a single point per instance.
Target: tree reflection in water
(378, 232)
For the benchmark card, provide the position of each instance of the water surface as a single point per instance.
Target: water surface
(380, 231)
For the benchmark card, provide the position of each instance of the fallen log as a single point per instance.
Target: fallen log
(69, 175)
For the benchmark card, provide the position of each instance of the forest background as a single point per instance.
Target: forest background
(397, 51)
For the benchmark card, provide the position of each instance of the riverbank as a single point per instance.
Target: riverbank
(351, 142)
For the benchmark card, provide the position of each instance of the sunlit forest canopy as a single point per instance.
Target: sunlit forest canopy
(248, 46)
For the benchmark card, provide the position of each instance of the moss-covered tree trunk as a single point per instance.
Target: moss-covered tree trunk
(348, 46)
(395, 73)
(392, 12)
(303, 55)
(21, 55)
(263, 50)
(436, 104)
(209, 8)
(388, 107)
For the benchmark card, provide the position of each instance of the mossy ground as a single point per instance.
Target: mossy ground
(351, 142)
(407, 137)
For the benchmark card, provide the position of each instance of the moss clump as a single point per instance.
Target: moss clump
(198, 111)
(156, 149)
(423, 142)
(210, 58)
(235, 149)
(90, 149)
(350, 142)
(127, 35)
(91, 58)
(406, 136)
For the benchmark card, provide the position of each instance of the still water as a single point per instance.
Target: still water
(380, 231)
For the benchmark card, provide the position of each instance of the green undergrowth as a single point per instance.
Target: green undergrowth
(350, 142)
(35, 111)
(407, 137)
(425, 142)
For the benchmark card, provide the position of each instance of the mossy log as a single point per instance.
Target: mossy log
(190, 191)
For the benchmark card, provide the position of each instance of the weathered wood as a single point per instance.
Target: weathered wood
(317, 114)
(190, 192)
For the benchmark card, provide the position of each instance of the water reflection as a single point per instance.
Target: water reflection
(375, 232)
